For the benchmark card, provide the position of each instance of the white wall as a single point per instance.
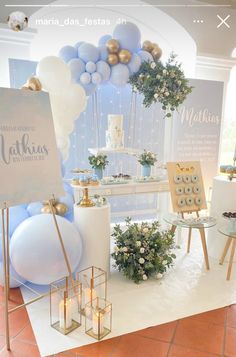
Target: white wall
(154, 24)
(12, 45)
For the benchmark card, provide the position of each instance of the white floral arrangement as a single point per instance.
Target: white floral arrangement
(143, 250)
(98, 161)
(147, 158)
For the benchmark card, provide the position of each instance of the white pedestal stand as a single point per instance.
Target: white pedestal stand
(93, 224)
(223, 200)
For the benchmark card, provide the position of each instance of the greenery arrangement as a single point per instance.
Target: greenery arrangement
(98, 161)
(147, 158)
(164, 83)
(143, 250)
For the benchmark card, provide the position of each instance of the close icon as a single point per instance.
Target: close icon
(223, 21)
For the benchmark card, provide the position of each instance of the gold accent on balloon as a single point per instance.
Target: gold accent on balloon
(148, 46)
(47, 209)
(32, 84)
(124, 56)
(86, 202)
(61, 208)
(156, 53)
(112, 59)
(113, 45)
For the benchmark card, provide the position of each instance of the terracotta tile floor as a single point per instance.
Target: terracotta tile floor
(209, 334)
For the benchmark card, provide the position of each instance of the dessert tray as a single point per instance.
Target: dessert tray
(148, 179)
(197, 220)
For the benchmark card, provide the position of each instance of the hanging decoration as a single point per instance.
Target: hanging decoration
(120, 59)
(161, 83)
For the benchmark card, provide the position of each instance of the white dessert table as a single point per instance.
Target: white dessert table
(131, 188)
(93, 224)
(223, 200)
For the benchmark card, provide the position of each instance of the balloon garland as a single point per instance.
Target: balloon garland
(115, 59)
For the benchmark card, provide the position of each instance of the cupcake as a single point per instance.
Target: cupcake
(94, 180)
(84, 181)
(75, 181)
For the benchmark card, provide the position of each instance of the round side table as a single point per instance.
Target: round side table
(200, 223)
(227, 231)
(223, 200)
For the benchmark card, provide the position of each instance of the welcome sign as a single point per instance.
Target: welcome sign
(197, 127)
(29, 161)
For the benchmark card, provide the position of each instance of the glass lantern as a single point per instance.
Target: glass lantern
(98, 318)
(65, 305)
(94, 284)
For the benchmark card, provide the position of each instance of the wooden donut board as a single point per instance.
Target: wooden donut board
(181, 169)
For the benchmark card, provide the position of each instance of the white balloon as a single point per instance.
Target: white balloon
(53, 73)
(35, 250)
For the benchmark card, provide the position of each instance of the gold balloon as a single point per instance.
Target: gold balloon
(47, 209)
(112, 59)
(112, 46)
(124, 56)
(147, 46)
(156, 53)
(61, 209)
(33, 84)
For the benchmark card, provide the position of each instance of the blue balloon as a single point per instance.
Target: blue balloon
(77, 67)
(66, 53)
(70, 216)
(88, 52)
(85, 78)
(145, 56)
(104, 69)
(134, 63)
(78, 44)
(89, 88)
(103, 52)
(128, 35)
(68, 188)
(15, 279)
(96, 78)
(17, 214)
(34, 208)
(90, 67)
(103, 40)
(119, 75)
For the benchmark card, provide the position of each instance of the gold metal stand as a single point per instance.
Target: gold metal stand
(5, 248)
(86, 202)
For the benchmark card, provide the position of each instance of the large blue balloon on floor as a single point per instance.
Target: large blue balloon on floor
(128, 35)
(15, 279)
(35, 249)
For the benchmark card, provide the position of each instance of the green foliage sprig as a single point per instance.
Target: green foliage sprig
(98, 161)
(143, 250)
(164, 83)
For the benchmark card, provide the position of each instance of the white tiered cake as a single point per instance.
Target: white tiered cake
(115, 132)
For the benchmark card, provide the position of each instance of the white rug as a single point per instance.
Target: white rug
(187, 289)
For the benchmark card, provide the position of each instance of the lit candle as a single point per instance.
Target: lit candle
(65, 315)
(98, 321)
(88, 295)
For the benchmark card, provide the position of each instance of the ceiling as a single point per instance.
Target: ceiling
(209, 39)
